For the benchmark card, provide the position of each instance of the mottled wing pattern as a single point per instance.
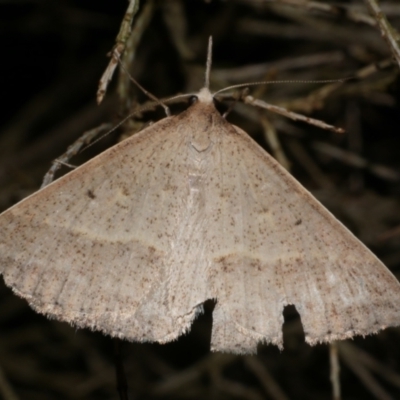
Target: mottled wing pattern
(281, 246)
(133, 242)
(103, 246)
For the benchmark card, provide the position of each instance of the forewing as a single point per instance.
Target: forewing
(98, 247)
(280, 246)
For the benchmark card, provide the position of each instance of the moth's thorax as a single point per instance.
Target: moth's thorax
(205, 96)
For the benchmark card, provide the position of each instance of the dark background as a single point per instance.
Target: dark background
(53, 55)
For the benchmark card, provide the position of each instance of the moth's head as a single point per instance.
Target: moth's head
(205, 96)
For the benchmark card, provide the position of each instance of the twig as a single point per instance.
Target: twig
(389, 234)
(273, 141)
(118, 48)
(269, 384)
(357, 161)
(6, 390)
(332, 9)
(72, 150)
(129, 54)
(175, 20)
(310, 29)
(350, 357)
(255, 71)
(290, 114)
(373, 68)
(309, 164)
(189, 375)
(236, 389)
(387, 31)
(54, 140)
(314, 100)
(335, 369)
(373, 364)
(67, 91)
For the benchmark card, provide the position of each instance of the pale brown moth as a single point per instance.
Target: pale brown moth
(133, 242)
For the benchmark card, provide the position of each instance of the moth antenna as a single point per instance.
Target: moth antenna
(208, 66)
(240, 85)
(146, 92)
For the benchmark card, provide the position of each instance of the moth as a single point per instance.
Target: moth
(133, 242)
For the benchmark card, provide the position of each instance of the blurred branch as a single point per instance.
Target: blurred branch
(356, 161)
(335, 369)
(129, 55)
(290, 114)
(332, 9)
(387, 31)
(6, 390)
(271, 387)
(118, 48)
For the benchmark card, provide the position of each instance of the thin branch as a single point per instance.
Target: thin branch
(356, 161)
(129, 55)
(387, 31)
(118, 48)
(290, 114)
(72, 150)
(175, 20)
(332, 9)
(335, 369)
(6, 390)
(273, 141)
(350, 355)
(267, 381)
